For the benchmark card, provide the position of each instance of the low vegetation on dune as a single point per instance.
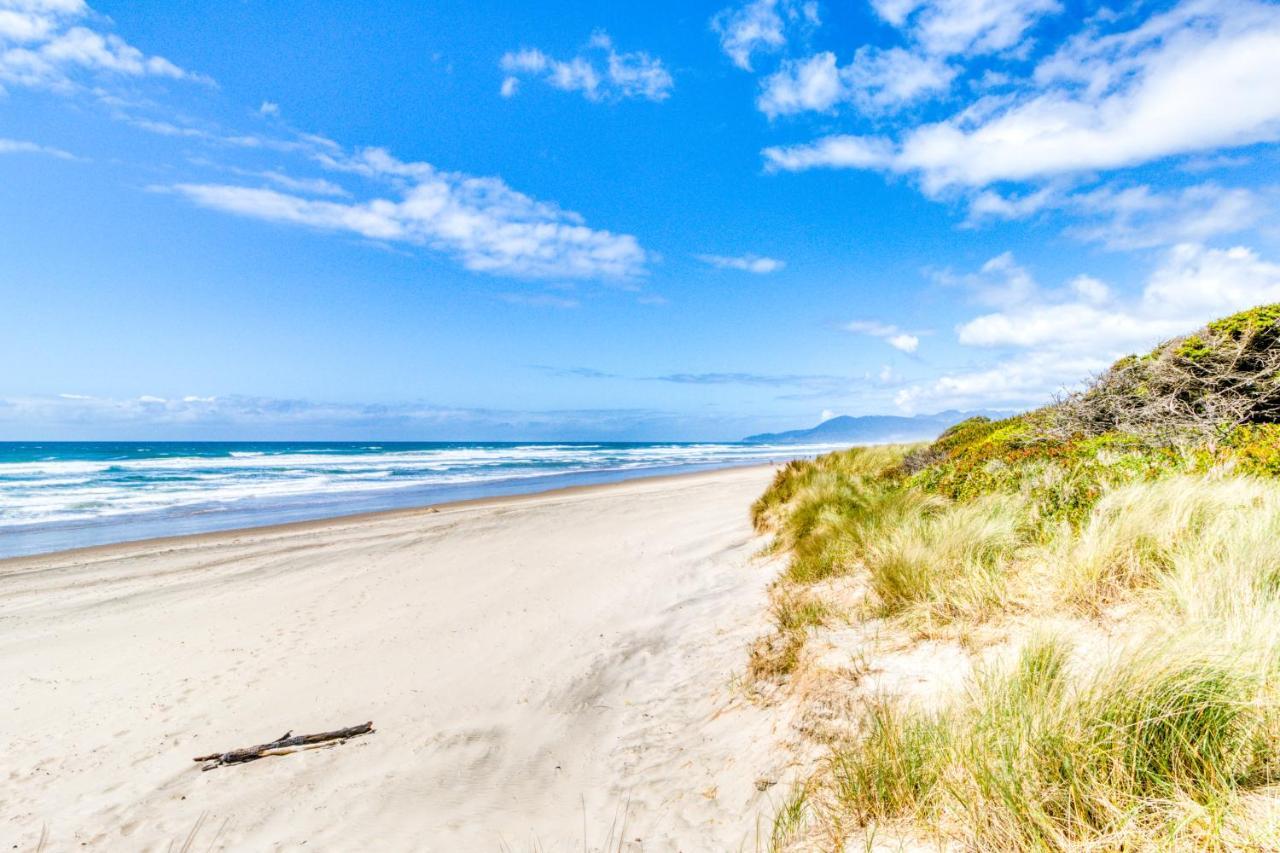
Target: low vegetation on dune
(1107, 568)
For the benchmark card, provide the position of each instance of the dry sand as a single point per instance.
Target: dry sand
(544, 673)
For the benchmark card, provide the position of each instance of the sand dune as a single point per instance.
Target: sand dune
(542, 672)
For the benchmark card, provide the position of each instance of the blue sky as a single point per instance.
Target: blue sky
(673, 220)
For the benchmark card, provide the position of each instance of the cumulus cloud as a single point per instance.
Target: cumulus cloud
(875, 81)
(1054, 338)
(892, 335)
(600, 74)
(483, 222)
(747, 263)
(1197, 77)
(48, 43)
(760, 26)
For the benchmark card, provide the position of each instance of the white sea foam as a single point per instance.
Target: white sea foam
(61, 491)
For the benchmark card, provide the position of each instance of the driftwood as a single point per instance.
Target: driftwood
(282, 745)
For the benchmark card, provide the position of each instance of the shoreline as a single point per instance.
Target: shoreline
(105, 550)
(536, 667)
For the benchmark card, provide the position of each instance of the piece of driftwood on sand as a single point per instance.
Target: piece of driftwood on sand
(283, 745)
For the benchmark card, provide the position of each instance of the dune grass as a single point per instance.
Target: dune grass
(1149, 749)
(1152, 748)
(1144, 515)
(939, 563)
(1209, 544)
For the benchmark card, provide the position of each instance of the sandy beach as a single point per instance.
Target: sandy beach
(553, 672)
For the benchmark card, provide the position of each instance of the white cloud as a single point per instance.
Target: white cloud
(759, 27)
(810, 84)
(46, 43)
(539, 300)
(20, 146)
(1139, 217)
(840, 151)
(747, 263)
(1053, 339)
(302, 142)
(1193, 79)
(881, 80)
(1016, 383)
(1135, 216)
(602, 74)
(269, 108)
(948, 27)
(875, 81)
(904, 342)
(311, 186)
(484, 223)
(892, 335)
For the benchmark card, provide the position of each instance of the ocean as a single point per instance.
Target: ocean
(59, 495)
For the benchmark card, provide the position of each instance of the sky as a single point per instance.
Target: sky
(672, 220)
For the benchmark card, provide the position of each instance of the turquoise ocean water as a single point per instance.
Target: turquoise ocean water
(58, 495)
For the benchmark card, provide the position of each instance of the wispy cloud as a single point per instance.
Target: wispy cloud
(600, 74)
(52, 43)
(758, 264)
(311, 186)
(197, 416)
(765, 380)
(540, 300)
(769, 380)
(890, 334)
(485, 224)
(760, 26)
(948, 27)
(1134, 216)
(19, 146)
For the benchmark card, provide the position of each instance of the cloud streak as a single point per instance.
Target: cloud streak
(763, 380)
(238, 417)
(758, 264)
(20, 146)
(485, 224)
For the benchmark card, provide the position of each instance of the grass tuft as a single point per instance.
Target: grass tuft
(1036, 757)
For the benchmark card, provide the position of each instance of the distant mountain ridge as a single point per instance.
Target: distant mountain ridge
(868, 428)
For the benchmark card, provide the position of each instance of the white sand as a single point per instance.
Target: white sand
(531, 665)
